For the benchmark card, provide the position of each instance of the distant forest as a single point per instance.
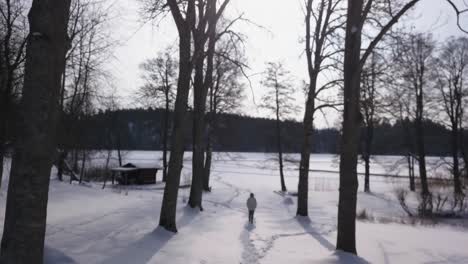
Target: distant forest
(141, 129)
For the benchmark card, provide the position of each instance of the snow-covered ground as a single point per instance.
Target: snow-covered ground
(119, 225)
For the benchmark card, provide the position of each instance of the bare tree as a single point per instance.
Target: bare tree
(369, 79)
(225, 93)
(13, 33)
(415, 58)
(452, 67)
(399, 104)
(368, 109)
(114, 131)
(357, 15)
(184, 15)
(205, 38)
(160, 79)
(26, 209)
(83, 76)
(320, 54)
(279, 101)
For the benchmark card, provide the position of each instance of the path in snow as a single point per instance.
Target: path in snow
(89, 225)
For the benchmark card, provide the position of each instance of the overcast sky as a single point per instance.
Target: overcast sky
(278, 39)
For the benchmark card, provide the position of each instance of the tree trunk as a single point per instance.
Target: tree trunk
(280, 150)
(367, 156)
(314, 61)
(6, 83)
(61, 163)
(463, 152)
(367, 174)
(4, 118)
(303, 185)
(3, 123)
(26, 209)
(83, 164)
(352, 119)
(203, 80)
(199, 103)
(108, 157)
(2, 160)
(410, 160)
(207, 169)
(210, 124)
(2, 113)
(169, 204)
(119, 148)
(75, 160)
(421, 151)
(456, 165)
(426, 203)
(165, 135)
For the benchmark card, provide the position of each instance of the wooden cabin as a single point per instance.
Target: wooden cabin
(133, 173)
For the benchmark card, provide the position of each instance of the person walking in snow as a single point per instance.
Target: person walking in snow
(251, 206)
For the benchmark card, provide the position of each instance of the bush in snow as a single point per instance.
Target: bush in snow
(364, 216)
(401, 195)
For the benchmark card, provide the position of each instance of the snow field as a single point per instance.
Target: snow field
(115, 225)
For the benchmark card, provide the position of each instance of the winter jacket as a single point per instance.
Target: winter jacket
(251, 203)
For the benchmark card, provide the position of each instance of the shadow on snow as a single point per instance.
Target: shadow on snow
(143, 250)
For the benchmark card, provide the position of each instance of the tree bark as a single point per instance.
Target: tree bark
(6, 86)
(308, 121)
(203, 80)
(426, 203)
(3, 135)
(2, 160)
(199, 105)
(210, 126)
(165, 134)
(420, 145)
(61, 163)
(409, 155)
(367, 174)
(410, 160)
(303, 185)
(352, 119)
(2, 118)
(464, 152)
(279, 145)
(456, 164)
(83, 164)
(169, 204)
(367, 155)
(207, 169)
(119, 146)
(26, 209)
(75, 160)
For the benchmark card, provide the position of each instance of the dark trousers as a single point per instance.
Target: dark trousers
(251, 215)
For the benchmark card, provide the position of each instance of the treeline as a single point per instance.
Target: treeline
(141, 129)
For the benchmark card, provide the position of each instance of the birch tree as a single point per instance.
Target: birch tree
(279, 101)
